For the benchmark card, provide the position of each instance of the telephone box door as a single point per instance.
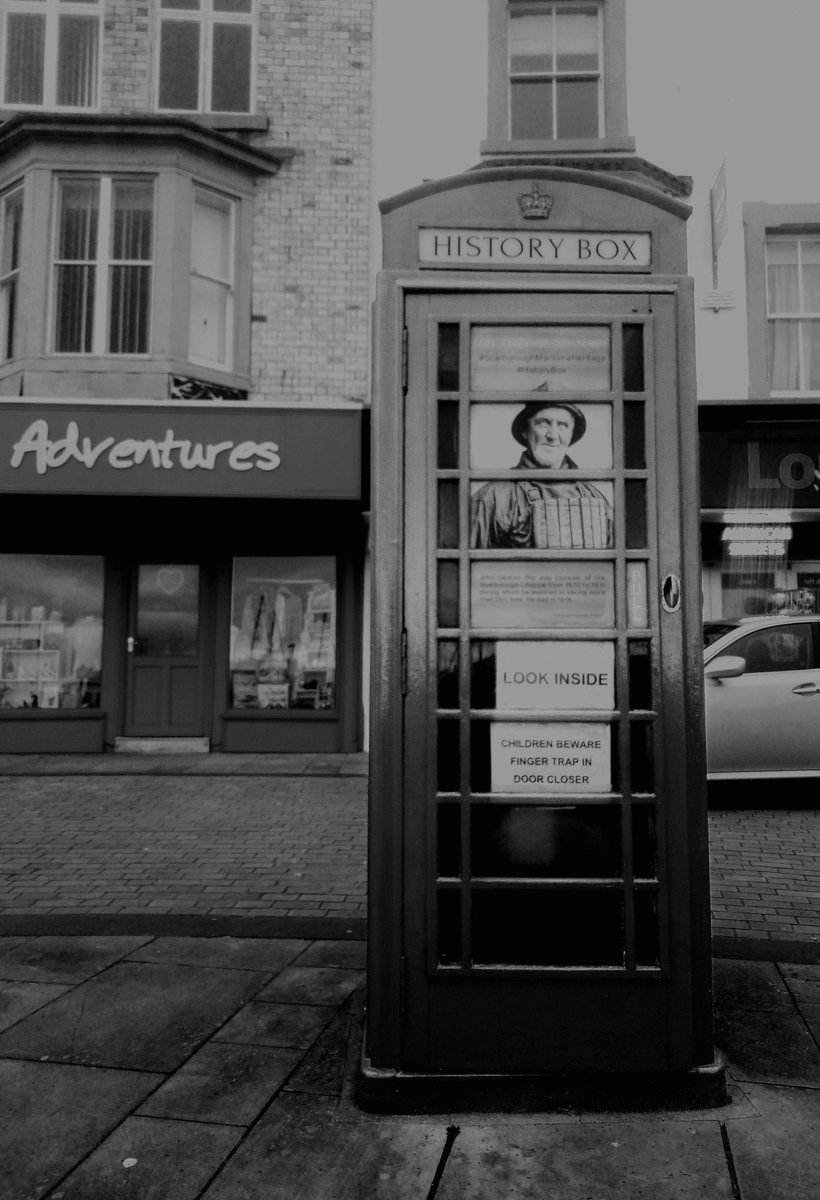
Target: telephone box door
(547, 883)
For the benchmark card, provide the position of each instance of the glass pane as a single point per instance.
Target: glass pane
(235, 6)
(25, 58)
(482, 675)
(530, 42)
(634, 436)
(811, 351)
(448, 594)
(449, 756)
(448, 514)
(577, 40)
(635, 499)
(642, 756)
(784, 358)
(132, 220)
(480, 762)
(167, 621)
(449, 927)
(633, 358)
(130, 310)
(577, 102)
(448, 358)
(810, 260)
(543, 434)
(647, 950)
(561, 929)
(208, 320)
(181, 3)
(51, 627)
(12, 227)
(8, 315)
(74, 304)
(211, 251)
(546, 843)
(231, 81)
(537, 514)
(531, 109)
(449, 840)
(448, 674)
(536, 595)
(782, 278)
(539, 358)
(447, 435)
(77, 66)
(640, 675)
(637, 609)
(283, 633)
(179, 66)
(644, 842)
(79, 217)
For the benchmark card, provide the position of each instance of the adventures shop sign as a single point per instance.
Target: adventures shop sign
(167, 450)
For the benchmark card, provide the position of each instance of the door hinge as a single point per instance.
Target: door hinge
(405, 341)
(403, 668)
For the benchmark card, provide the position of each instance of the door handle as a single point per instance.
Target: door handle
(130, 645)
(806, 689)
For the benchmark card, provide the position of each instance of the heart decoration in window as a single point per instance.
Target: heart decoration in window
(170, 579)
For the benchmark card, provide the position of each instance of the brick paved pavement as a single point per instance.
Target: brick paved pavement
(112, 835)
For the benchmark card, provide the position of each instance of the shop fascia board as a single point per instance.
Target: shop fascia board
(26, 129)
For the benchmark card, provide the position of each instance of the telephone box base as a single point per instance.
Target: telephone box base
(388, 1091)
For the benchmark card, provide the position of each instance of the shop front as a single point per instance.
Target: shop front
(180, 574)
(760, 513)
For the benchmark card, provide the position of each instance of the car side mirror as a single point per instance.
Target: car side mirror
(726, 666)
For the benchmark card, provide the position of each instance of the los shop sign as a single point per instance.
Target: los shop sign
(176, 451)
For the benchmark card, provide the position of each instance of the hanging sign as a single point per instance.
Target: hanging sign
(541, 675)
(555, 756)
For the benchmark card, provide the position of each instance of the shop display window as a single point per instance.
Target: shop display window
(283, 633)
(51, 627)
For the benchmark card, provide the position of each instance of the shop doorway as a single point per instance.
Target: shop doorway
(165, 661)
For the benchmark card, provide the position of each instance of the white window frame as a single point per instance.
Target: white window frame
(52, 11)
(206, 17)
(227, 284)
(555, 76)
(9, 274)
(102, 261)
(800, 318)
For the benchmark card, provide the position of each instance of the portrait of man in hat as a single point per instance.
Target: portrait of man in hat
(542, 513)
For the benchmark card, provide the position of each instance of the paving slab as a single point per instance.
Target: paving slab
(768, 1047)
(312, 985)
(150, 1159)
(298, 1151)
(777, 1156)
(18, 1000)
(137, 1015)
(322, 1071)
(803, 981)
(53, 1115)
(249, 954)
(589, 1161)
(295, 1025)
(757, 985)
(225, 1083)
(64, 959)
(322, 953)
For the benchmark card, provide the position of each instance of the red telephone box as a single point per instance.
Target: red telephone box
(539, 905)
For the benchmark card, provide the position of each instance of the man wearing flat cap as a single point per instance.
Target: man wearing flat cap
(540, 513)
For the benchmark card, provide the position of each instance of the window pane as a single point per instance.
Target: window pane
(640, 675)
(448, 756)
(132, 222)
(79, 218)
(448, 674)
(634, 436)
(810, 272)
(448, 594)
(448, 514)
(531, 110)
(231, 79)
(784, 361)
(210, 236)
(449, 840)
(181, 3)
(561, 929)
(448, 358)
(12, 226)
(130, 310)
(447, 434)
(577, 108)
(208, 321)
(236, 6)
(546, 843)
(449, 927)
(167, 610)
(74, 322)
(77, 64)
(179, 66)
(51, 626)
(577, 38)
(633, 358)
(25, 50)
(530, 42)
(283, 633)
(635, 497)
(647, 950)
(781, 277)
(811, 350)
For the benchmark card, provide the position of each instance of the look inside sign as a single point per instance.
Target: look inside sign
(555, 675)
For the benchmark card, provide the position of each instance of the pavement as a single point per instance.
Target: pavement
(142, 1059)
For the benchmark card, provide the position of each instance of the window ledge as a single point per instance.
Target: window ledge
(508, 146)
(233, 122)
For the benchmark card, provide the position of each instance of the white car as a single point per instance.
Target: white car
(762, 697)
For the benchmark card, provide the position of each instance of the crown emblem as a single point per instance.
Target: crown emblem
(535, 205)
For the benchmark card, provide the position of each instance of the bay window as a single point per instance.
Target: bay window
(51, 53)
(11, 220)
(205, 55)
(103, 265)
(212, 280)
(555, 57)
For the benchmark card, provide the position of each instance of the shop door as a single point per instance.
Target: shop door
(546, 886)
(165, 652)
